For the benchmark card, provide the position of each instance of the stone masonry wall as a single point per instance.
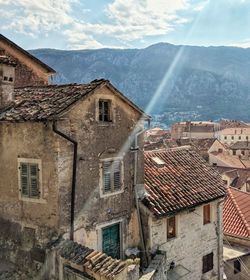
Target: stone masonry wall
(194, 240)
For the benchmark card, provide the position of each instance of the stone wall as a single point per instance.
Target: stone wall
(194, 240)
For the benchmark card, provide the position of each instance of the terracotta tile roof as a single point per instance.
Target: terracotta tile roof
(47, 102)
(185, 180)
(240, 145)
(231, 161)
(90, 259)
(41, 103)
(236, 213)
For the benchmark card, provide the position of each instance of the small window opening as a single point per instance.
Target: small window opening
(5, 78)
(171, 227)
(237, 266)
(105, 110)
(10, 79)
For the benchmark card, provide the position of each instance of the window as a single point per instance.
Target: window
(237, 266)
(111, 241)
(243, 153)
(29, 179)
(220, 150)
(239, 137)
(234, 152)
(232, 137)
(225, 137)
(207, 262)
(171, 227)
(206, 214)
(105, 110)
(111, 176)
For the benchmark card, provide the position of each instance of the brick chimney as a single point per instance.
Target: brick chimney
(7, 78)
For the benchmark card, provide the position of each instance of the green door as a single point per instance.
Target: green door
(111, 241)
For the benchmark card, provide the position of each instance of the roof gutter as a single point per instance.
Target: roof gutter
(73, 182)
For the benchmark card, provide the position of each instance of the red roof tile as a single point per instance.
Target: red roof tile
(236, 213)
(185, 181)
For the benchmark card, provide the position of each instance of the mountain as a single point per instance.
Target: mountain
(208, 82)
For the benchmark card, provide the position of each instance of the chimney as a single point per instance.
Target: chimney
(7, 77)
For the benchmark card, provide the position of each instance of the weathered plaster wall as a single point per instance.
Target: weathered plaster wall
(34, 141)
(193, 241)
(97, 141)
(26, 73)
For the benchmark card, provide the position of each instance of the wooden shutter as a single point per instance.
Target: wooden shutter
(207, 262)
(34, 180)
(206, 214)
(106, 176)
(117, 174)
(24, 176)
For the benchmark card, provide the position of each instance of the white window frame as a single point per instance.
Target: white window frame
(31, 161)
(121, 190)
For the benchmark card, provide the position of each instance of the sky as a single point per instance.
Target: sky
(92, 24)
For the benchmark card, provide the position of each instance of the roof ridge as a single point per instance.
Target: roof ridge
(239, 210)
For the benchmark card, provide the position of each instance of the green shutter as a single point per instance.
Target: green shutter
(111, 241)
(24, 179)
(34, 180)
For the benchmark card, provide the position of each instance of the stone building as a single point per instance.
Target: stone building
(68, 166)
(236, 219)
(233, 134)
(29, 70)
(194, 130)
(181, 211)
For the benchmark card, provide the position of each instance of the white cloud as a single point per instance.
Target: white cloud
(242, 44)
(125, 20)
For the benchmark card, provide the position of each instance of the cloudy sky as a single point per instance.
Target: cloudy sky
(80, 24)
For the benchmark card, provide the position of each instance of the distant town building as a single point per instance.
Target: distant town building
(233, 135)
(194, 129)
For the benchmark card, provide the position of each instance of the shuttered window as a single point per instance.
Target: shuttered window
(29, 180)
(206, 214)
(207, 262)
(112, 175)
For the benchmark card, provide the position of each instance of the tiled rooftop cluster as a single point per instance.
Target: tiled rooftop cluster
(42, 103)
(184, 180)
(90, 259)
(236, 213)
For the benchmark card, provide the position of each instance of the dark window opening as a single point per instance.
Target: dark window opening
(5, 78)
(111, 243)
(239, 137)
(234, 152)
(207, 262)
(10, 79)
(171, 227)
(243, 153)
(105, 110)
(225, 137)
(232, 137)
(237, 266)
(214, 164)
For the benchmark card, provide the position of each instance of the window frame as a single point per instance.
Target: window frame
(110, 115)
(208, 262)
(99, 230)
(30, 161)
(206, 220)
(174, 235)
(113, 190)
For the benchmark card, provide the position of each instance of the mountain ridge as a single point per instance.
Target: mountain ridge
(211, 81)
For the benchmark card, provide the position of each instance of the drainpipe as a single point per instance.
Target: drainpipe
(219, 238)
(136, 148)
(73, 183)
